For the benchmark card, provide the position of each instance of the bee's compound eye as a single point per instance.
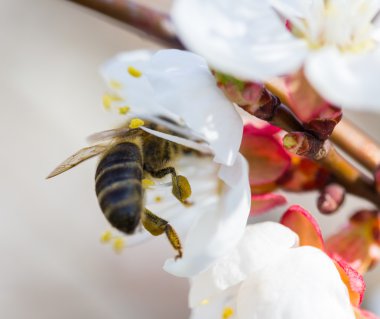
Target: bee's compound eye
(181, 188)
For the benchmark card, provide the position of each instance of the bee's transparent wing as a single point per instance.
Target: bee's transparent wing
(109, 134)
(77, 158)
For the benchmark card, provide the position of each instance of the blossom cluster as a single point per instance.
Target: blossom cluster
(326, 54)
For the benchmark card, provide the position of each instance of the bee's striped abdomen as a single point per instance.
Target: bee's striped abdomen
(118, 186)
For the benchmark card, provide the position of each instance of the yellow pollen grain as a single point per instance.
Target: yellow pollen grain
(106, 236)
(227, 313)
(124, 110)
(134, 72)
(146, 183)
(108, 99)
(158, 199)
(116, 85)
(205, 302)
(136, 123)
(118, 244)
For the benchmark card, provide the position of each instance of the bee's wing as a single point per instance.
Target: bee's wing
(77, 158)
(109, 134)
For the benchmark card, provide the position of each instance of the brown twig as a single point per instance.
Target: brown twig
(158, 25)
(357, 144)
(150, 21)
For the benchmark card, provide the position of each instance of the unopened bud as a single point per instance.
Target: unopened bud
(331, 198)
(305, 144)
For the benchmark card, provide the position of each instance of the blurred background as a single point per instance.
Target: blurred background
(51, 262)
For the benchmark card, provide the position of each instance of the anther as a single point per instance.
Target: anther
(124, 110)
(136, 123)
(118, 244)
(227, 313)
(134, 72)
(146, 183)
(106, 236)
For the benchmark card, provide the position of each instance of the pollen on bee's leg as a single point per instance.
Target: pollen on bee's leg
(227, 312)
(136, 123)
(118, 244)
(181, 188)
(106, 236)
(134, 72)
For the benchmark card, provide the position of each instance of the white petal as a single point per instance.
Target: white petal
(136, 92)
(244, 38)
(304, 283)
(350, 80)
(184, 85)
(214, 308)
(217, 230)
(261, 244)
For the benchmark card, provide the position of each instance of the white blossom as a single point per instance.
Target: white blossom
(335, 41)
(179, 86)
(267, 276)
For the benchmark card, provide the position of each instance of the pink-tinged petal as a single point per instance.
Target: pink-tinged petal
(315, 112)
(266, 156)
(353, 281)
(303, 175)
(262, 203)
(302, 284)
(364, 314)
(304, 225)
(358, 243)
(266, 130)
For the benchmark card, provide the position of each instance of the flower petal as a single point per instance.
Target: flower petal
(303, 283)
(266, 156)
(217, 230)
(261, 244)
(244, 38)
(183, 84)
(304, 225)
(353, 280)
(262, 203)
(349, 80)
(135, 92)
(358, 242)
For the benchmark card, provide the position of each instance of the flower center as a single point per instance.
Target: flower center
(347, 25)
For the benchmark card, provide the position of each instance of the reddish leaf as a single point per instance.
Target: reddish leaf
(266, 156)
(264, 202)
(304, 225)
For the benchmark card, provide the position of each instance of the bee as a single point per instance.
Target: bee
(127, 157)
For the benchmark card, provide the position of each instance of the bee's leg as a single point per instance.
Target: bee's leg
(181, 187)
(157, 226)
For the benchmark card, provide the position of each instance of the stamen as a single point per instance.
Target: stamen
(118, 244)
(124, 110)
(227, 312)
(116, 85)
(106, 236)
(134, 72)
(136, 123)
(146, 183)
(108, 99)
(205, 302)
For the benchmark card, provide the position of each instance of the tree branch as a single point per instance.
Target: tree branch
(158, 25)
(147, 20)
